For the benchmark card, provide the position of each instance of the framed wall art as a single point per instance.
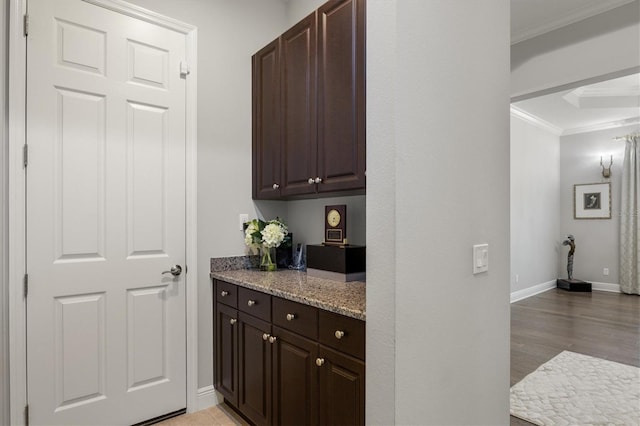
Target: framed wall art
(592, 201)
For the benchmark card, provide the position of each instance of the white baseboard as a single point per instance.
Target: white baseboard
(532, 291)
(207, 397)
(541, 288)
(613, 288)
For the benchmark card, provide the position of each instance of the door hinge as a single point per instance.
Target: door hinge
(26, 285)
(25, 155)
(26, 415)
(184, 69)
(26, 25)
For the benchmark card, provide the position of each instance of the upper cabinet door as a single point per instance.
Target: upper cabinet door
(298, 107)
(266, 122)
(341, 95)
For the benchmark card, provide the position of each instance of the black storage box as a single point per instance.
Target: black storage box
(347, 262)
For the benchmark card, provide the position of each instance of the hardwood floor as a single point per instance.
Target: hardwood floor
(600, 324)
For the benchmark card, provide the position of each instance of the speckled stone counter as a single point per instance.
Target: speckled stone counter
(343, 298)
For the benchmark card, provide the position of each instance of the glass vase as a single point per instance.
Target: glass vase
(268, 259)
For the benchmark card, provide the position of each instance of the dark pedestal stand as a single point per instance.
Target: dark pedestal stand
(573, 285)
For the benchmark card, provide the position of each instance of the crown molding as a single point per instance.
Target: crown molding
(536, 121)
(566, 19)
(602, 126)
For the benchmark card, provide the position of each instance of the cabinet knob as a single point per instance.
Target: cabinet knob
(319, 362)
(272, 339)
(224, 293)
(339, 334)
(232, 321)
(318, 180)
(311, 181)
(276, 186)
(291, 317)
(265, 336)
(251, 302)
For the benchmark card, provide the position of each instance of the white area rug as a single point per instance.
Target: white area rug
(576, 389)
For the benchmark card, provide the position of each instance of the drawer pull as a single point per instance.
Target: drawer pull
(251, 302)
(224, 293)
(339, 334)
(265, 336)
(291, 317)
(232, 321)
(319, 362)
(272, 339)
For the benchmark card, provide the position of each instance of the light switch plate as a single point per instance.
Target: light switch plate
(480, 258)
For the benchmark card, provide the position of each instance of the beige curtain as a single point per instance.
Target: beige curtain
(629, 230)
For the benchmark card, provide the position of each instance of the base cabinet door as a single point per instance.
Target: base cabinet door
(254, 372)
(341, 388)
(295, 379)
(227, 352)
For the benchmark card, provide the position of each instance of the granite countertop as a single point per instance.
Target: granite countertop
(343, 298)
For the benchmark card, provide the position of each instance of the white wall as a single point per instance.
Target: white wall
(451, 173)
(602, 45)
(4, 273)
(298, 9)
(381, 212)
(535, 204)
(229, 32)
(597, 241)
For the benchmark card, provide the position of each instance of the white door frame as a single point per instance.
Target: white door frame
(17, 256)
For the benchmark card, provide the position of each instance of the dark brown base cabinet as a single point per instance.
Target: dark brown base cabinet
(287, 365)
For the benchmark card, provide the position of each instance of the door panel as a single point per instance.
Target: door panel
(254, 369)
(80, 349)
(105, 216)
(266, 121)
(79, 186)
(342, 387)
(295, 380)
(146, 337)
(299, 143)
(341, 95)
(227, 353)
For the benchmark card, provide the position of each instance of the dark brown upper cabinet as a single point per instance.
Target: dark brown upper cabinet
(298, 107)
(341, 95)
(318, 130)
(266, 122)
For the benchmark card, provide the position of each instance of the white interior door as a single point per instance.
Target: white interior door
(105, 216)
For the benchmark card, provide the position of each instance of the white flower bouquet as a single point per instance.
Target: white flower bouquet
(265, 237)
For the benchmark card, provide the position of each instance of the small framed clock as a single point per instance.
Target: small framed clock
(335, 224)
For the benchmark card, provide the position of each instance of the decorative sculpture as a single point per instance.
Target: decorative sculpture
(570, 241)
(570, 283)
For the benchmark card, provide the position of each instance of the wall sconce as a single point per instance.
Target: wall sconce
(606, 171)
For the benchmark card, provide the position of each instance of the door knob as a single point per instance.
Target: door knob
(175, 270)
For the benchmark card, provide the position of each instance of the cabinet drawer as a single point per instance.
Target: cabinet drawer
(227, 294)
(342, 333)
(296, 317)
(254, 303)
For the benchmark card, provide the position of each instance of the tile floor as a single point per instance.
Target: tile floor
(220, 415)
